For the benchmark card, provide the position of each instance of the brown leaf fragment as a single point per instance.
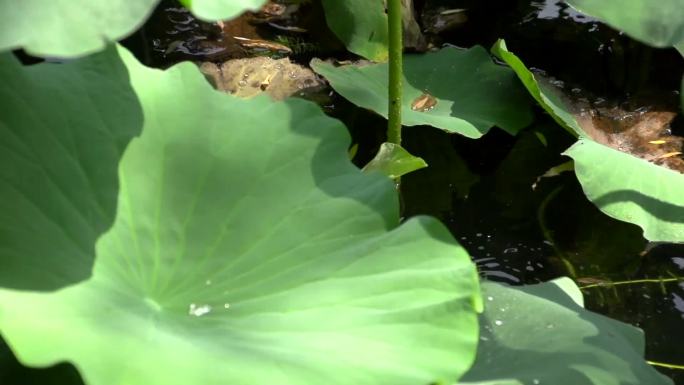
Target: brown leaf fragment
(424, 102)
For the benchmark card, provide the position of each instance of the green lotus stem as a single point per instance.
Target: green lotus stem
(633, 282)
(548, 234)
(666, 365)
(396, 46)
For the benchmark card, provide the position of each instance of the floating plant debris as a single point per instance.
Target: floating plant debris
(424, 102)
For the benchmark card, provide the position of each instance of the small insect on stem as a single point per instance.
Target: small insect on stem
(424, 102)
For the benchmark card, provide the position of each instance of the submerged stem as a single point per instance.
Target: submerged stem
(633, 282)
(666, 365)
(396, 46)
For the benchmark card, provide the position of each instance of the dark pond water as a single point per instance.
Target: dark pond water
(517, 234)
(518, 228)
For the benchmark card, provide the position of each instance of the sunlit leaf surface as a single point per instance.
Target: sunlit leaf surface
(632, 189)
(460, 91)
(246, 248)
(540, 334)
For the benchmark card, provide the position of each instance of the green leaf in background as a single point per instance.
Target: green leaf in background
(246, 249)
(541, 334)
(680, 48)
(659, 24)
(631, 189)
(623, 186)
(394, 161)
(59, 160)
(546, 100)
(221, 9)
(71, 28)
(361, 25)
(68, 28)
(471, 93)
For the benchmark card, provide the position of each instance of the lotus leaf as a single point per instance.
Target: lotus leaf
(659, 24)
(246, 248)
(71, 28)
(361, 25)
(394, 161)
(546, 100)
(58, 179)
(541, 334)
(470, 93)
(632, 189)
(221, 9)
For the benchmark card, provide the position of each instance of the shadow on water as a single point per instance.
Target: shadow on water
(657, 308)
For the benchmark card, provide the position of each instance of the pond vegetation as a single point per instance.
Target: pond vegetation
(274, 230)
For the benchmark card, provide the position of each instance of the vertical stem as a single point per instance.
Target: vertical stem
(396, 46)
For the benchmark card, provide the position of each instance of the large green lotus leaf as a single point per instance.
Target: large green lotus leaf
(221, 9)
(361, 25)
(547, 100)
(472, 93)
(632, 189)
(63, 130)
(541, 334)
(248, 249)
(659, 24)
(70, 28)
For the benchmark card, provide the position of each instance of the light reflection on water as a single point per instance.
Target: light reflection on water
(503, 261)
(555, 9)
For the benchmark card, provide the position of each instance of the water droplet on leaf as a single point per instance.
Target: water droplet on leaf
(199, 310)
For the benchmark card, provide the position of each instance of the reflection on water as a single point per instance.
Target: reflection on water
(657, 308)
(497, 220)
(557, 9)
